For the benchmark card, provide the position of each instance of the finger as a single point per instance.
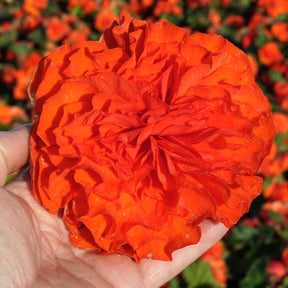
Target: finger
(158, 272)
(19, 249)
(13, 150)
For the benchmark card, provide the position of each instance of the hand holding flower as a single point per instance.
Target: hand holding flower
(35, 249)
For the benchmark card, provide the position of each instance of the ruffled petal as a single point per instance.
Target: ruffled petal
(142, 136)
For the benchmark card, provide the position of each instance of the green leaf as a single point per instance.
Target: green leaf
(284, 283)
(240, 5)
(241, 235)
(215, 4)
(256, 276)
(52, 8)
(261, 38)
(21, 49)
(276, 217)
(280, 141)
(283, 233)
(172, 18)
(8, 38)
(276, 76)
(77, 11)
(281, 18)
(10, 178)
(4, 127)
(174, 283)
(245, 4)
(94, 36)
(267, 182)
(199, 274)
(38, 36)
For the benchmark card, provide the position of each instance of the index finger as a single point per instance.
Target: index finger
(159, 272)
(13, 150)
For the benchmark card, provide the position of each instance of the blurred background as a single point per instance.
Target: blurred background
(255, 252)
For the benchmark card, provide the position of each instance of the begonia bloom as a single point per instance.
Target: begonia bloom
(23, 74)
(141, 136)
(10, 113)
(270, 54)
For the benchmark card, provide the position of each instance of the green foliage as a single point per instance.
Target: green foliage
(7, 39)
(261, 38)
(197, 19)
(4, 127)
(284, 284)
(241, 6)
(172, 18)
(199, 275)
(10, 178)
(281, 140)
(38, 37)
(174, 283)
(52, 8)
(77, 11)
(21, 48)
(248, 252)
(276, 76)
(256, 276)
(241, 236)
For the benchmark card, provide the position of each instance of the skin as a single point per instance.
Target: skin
(34, 245)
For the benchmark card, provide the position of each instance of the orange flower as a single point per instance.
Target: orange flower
(235, 21)
(78, 35)
(103, 18)
(270, 54)
(277, 191)
(256, 20)
(30, 23)
(281, 91)
(215, 18)
(143, 135)
(167, 6)
(280, 121)
(138, 6)
(10, 113)
(246, 41)
(274, 8)
(87, 6)
(214, 257)
(23, 76)
(57, 29)
(254, 64)
(280, 31)
(279, 207)
(7, 75)
(34, 7)
(274, 164)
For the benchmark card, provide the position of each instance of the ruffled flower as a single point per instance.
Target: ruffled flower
(143, 135)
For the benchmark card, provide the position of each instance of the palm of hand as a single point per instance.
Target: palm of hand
(38, 252)
(48, 258)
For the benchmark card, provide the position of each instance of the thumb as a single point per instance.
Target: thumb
(13, 150)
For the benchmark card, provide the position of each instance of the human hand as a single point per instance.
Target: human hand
(35, 250)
